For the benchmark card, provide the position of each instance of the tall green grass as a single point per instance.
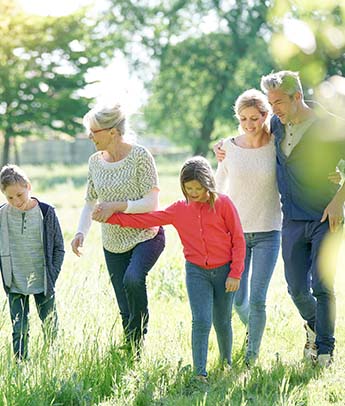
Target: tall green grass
(87, 366)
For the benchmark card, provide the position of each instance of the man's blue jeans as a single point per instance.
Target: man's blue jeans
(128, 271)
(311, 291)
(262, 250)
(209, 303)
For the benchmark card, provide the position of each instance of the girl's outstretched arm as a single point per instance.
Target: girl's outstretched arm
(144, 220)
(148, 203)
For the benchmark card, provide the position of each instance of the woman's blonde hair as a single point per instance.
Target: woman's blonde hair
(252, 98)
(11, 175)
(199, 169)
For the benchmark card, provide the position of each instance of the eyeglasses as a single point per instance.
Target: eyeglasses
(92, 132)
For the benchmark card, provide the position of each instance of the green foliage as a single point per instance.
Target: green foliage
(197, 86)
(207, 53)
(43, 61)
(316, 46)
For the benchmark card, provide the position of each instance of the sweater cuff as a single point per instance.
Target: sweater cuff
(235, 273)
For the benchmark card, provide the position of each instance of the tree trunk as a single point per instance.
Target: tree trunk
(202, 146)
(6, 149)
(16, 151)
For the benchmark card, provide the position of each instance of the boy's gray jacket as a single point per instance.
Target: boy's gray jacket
(53, 247)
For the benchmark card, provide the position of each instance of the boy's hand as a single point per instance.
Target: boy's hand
(232, 284)
(77, 243)
(220, 153)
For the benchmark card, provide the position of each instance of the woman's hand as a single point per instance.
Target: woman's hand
(232, 284)
(104, 210)
(77, 243)
(220, 153)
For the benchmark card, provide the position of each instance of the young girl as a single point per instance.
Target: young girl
(214, 248)
(31, 251)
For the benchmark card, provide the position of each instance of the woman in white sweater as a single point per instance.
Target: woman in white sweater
(247, 175)
(122, 178)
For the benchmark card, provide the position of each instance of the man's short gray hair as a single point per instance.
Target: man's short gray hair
(285, 80)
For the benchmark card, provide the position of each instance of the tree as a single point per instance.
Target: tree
(205, 52)
(197, 85)
(43, 61)
(201, 69)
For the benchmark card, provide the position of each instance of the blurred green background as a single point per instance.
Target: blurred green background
(185, 62)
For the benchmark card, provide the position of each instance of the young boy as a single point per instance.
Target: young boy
(31, 253)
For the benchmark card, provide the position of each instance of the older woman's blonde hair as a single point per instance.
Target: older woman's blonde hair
(107, 117)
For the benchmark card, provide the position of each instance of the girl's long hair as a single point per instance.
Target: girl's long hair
(199, 169)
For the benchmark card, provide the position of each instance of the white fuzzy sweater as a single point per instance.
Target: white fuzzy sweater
(248, 177)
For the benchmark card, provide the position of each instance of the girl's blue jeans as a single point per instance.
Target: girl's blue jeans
(262, 250)
(209, 304)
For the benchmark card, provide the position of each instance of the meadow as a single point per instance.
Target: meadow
(87, 366)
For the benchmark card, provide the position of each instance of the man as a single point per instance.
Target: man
(308, 148)
(306, 153)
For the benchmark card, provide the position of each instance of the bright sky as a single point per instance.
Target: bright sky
(115, 83)
(53, 7)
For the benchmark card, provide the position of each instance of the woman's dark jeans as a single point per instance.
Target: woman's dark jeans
(128, 271)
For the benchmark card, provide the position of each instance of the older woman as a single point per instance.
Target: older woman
(122, 177)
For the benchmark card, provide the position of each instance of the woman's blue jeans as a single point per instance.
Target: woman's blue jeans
(128, 271)
(209, 304)
(262, 250)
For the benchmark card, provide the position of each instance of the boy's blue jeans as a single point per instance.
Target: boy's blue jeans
(311, 288)
(19, 311)
(209, 304)
(262, 250)
(128, 271)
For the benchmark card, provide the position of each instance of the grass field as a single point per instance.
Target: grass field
(86, 365)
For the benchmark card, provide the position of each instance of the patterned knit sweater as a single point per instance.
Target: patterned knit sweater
(128, 179)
